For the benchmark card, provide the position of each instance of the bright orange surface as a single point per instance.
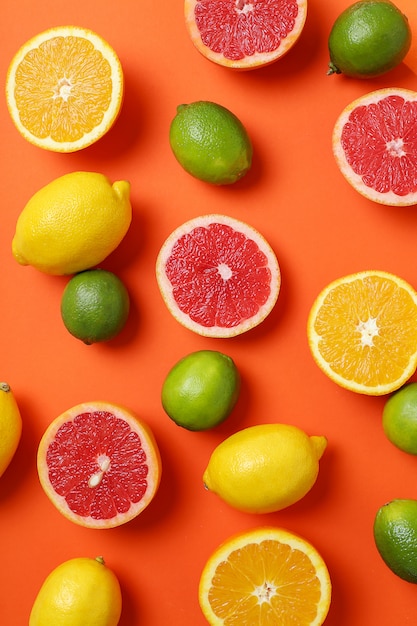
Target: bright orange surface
(320, 229)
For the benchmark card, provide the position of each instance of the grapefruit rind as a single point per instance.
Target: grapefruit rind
(109, 116)
(257, 536)
(355, 180)
(149, 446)
(166, 289)
(258, 59)
(314, 339)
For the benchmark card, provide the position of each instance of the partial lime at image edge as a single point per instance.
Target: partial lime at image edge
(399, 418)
(368, 39)
(395, 535)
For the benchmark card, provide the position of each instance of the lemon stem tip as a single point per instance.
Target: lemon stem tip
(320, 444)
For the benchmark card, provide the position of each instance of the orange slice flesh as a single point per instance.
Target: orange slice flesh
(218, 276)
(99, 465)
(362, 332)
(64, 88)
(375, 146)
(243, 34)
(268, 577)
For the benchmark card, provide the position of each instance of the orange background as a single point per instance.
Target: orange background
(320, 229)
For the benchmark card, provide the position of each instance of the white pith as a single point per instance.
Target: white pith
(368, 330)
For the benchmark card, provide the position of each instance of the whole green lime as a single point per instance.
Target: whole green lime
(399, 418)
(210, 142)
(395, 534)
(201, 390)
(368, 39)
(95, 306)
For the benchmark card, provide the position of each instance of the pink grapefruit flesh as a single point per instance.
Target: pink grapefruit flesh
(218, 276)
(244, 34)
(375, 146)
(99, 465)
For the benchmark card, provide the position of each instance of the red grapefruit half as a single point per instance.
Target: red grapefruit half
(99, 464)
(244, 34)
(218, 276)
(375, 146)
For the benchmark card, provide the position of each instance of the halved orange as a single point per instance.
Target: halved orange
(362, 332)
(64, 88)
(268, 577)
(99, 464)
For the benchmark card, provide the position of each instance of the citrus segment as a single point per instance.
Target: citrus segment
(266, 576)
(64, 88)
(244, 34)
(99, 465)
(362, 332)
(218, 276)
(375, 146)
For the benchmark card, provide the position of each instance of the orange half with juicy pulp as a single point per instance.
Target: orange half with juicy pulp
(362, 332)
(265, 576)
(64, 88)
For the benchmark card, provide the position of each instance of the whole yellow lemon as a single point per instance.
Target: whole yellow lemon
(79, 592)
(264, 468)
(10, 426)
(73, 223)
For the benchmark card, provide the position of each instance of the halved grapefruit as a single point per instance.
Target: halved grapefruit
(99, 464)
(218, 276)
(375, 146)
(244, 34)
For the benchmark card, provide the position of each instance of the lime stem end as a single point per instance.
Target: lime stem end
(333, 69)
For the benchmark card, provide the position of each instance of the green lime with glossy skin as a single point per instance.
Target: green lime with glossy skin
(395, 534)
(368, 39)
(399, 418)
(210, 142)
(95, 306)
(201, 390)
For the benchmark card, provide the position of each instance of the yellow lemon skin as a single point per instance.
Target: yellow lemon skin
(264, 468)
(10, 426)
(73, 223)
(79, 592)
